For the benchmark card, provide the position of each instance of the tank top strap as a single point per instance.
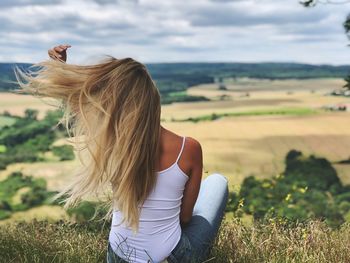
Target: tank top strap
(182, 147)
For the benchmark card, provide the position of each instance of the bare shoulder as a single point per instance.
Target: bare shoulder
(193, 146)
(195, 157)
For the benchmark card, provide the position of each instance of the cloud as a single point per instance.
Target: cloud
(11, 3)
(157, 30)
(111, 2)
(233, 16)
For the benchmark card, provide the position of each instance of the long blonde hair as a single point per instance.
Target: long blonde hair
(112, 109)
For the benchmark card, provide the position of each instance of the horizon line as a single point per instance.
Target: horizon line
(218, 62)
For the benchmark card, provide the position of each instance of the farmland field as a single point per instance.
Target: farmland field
(262, 94)
(242, 145)
(16, 104)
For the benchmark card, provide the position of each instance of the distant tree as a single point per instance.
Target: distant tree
(28, 137)
(310, 3)
(347, 85)
(31, 114)
(346, 24)
(214, 116)
(64, 152)
(6, 113)
(224, 97)
(222, 86)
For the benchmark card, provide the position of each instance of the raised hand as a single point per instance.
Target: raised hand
(59, 52)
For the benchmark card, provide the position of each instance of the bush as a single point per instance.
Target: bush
(4, 214)
(308, 188)
(36, 195)
(86, 211)
(82, 212)
(14, 156)
(64, 152)
(315, 172)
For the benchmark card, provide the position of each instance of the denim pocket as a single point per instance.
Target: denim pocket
(112, 257)
(182, 252)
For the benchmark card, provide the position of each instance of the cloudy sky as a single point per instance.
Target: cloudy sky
(175, 30)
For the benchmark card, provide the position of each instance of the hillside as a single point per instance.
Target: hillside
(172, 77)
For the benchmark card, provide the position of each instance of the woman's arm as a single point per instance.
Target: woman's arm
(193, 184)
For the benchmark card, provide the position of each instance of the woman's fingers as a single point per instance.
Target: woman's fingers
(59, 52)
(64, 46)
(53, 53)
(59, 49)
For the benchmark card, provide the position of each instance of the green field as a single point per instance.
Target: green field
(262, 112)
(4, 120)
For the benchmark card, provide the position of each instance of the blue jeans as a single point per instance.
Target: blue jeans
(198, 235)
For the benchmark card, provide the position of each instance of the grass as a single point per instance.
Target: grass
(43, 212)
(44, 242)
(277, 242)
(274, 242)
(262, 112)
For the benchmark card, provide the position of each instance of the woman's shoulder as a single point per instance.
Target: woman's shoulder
(193, 157)
(193, 145)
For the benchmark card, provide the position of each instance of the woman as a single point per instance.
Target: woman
(154, 175)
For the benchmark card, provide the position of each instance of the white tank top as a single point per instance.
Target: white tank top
(159, 224)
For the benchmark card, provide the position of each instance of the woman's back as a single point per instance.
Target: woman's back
(113, 109)
(159, 223)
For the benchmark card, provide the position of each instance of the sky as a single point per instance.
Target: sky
(175, 30)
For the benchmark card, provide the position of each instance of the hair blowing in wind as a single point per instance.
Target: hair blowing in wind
(112, 113)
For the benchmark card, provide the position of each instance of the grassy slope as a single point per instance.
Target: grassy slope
(272, 242)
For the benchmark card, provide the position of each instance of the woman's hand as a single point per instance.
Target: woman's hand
(59, 52)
